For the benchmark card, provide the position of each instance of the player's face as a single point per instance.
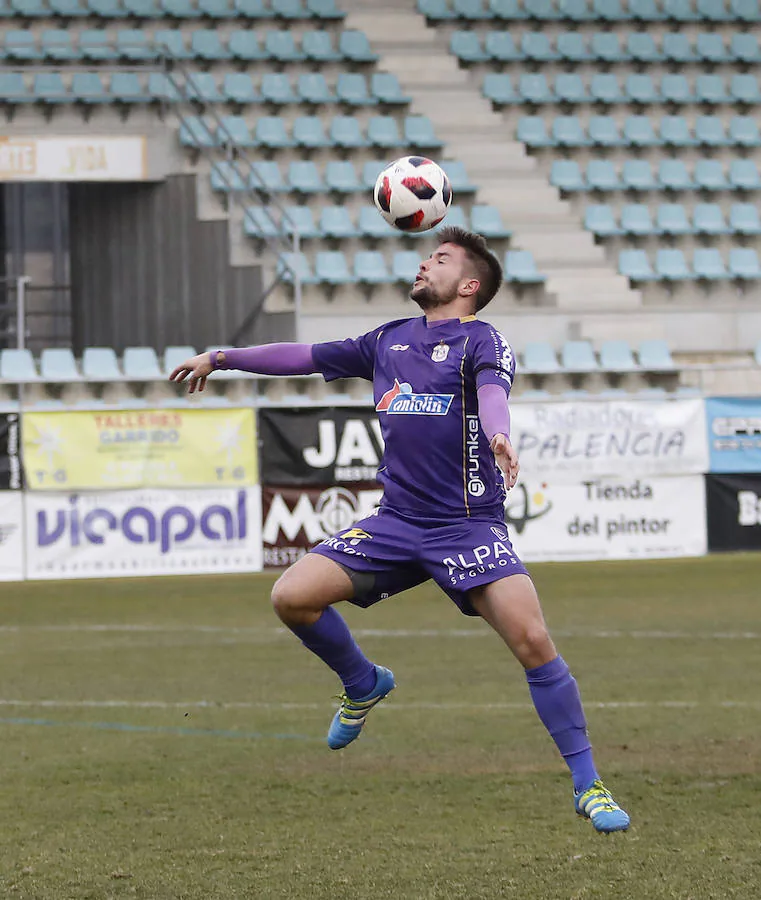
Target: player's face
(440, 277)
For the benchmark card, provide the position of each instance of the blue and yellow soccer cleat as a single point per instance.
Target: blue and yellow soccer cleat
(597, 804)
(348, 721)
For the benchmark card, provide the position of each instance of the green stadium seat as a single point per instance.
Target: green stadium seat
(57, 364)
(458, 177)
(160, 88)
(501, 47)
(641, 48)
(180, 9)
(69, 9)
(325, 9)
(671, 219)
(22, 45)
(309, 131)
(744, 219)
(420, 135)
(215, 9)
(341, 177)
(744, 264)
(100, 364)
(234, 130)
(744, 89)
(570, 88)
(172, 43)
(276, 88)
(87, 87)
(331, 268)
(746, 10)
(568, 131)
(540, 358)
(637, 175)
(603, 132)
(671, 265)
(225, 176)
(281, 46)
(265, 176)
(261, 222)
(252, 9)
(372, 225)
(533, 88)
(370, 268)
(470, 10)
(97, 45)
(289, 9)
(743, 175)
(532, 131)
(486, 220)
(601, 176)
(107, 9)
(48, 87)
(355, 47)
(207, 44)
(714, 11)
(436, 10)
(202, 86)
(611, 11)
(676, 47)
(271, 132)
(675, 132)
(710, 89)
(143, 9)
(335, 222)
(572, 47)
(304, 177)
(708, 265)
(710, 48)
(578, 356)
(646, 11)
(520, 267)
(673, 176)
(565, 175)
(654, 355)
(383, 131)
(466, 46)
(681, 11)
(134, 44)
(58, 44)
(676, 89)
(636, 220)
(709, 175)
(346, 131)
(744, 48)
(617, 356)
(317, 46)
(385, 88)
(295, 265)
(300, 220)
(351, 88)
(709, 132)
(245, 46)
(312, 88)
(707, 218)
(405, 266)
(606, 47)
(536, 46)
(600, 219)
(639, 132)
(126, 87)
(604, 88)
(634, 265)
(498, 88)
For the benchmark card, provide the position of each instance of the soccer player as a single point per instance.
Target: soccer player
(441, 383)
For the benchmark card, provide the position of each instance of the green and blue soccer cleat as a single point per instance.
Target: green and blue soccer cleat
(348, 721)
(597, 804)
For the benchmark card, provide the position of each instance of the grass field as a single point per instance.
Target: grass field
(165, 739)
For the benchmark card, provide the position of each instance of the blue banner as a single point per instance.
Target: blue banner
(734, 433)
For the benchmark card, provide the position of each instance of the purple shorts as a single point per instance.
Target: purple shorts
(402, 552)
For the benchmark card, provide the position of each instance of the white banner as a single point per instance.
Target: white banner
(88, 158)
(617, 437)
(608, 518)
(11, 536)
(144, 532)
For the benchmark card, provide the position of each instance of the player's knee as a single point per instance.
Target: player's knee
(284, 598)
(533, 641)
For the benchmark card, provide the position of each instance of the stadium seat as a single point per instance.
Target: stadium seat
(300, 220)
(539, 357)
(676, 89)
(601, 175)
(710, 89)
(744, 219)
(370, 268)
(671, 218)
(636, 219)
(709, 175)
(606, 47)
(611, 10)
(372, 225)
(238, 87)
(331, 268)
(318, 46)
(605, 88)
(670, 265)
(202, 86)
(603, 131)
(341, 176)
(206, 44)
(171, 43)
(565, 175)
(537, 47)
(501, 47)
(371, 169)
(600, 219)
(680, 10)
(385, 88)
(346, 132)
(175, 355)
(264, 175)
(234, 130)
(567, 131)
(637, 175)
(743, 175)
(313, 88)
(180, 9)
(707, 218)
(107, 9)
(713, 11)
(405, 266)
(160, 88)
(49, 88)
(458, 177)
(617, 356)
(261, 222)
(507, 10)
(143, 9)
(101, 365)
(141, 364)
(69, 9)
(197, 132)
(708, 265)
(498, 87)
(654, 356)
(125, 87)
(12, 88)
(355, 47)
(675, 132)
(281, 46)
(226, 176)
(572, 47)
(520, 267)
(245, 46)
(641, 89)
(419, 134)
(533, 89)
(383, 131)
(578, 356)
(709, 131)
(58, 365)
(215, 9)
(58, 44)
(292, 264)
(486, 220)
(532, 131)
(325, 9)
(744, 131)
(744, 264)
(304, 177)
(635, 265)
(710, 48)
(276, 87)
(673, 175)
(467, 47)
(22, 46)
(639, 132)
(746, 10)
(351, 88)
(744, 48)
(335, 222)
(641, 48)
(436, 10)
(570, 88)
(309, 131)
(135, 45)
(271, 132)
(17, 365)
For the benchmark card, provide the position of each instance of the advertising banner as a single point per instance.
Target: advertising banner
(99, 450)
(617, 437)
(144, 532)
(10, 461)
(734, 512)
(11, 536)
(607, 518)
(734, 433)
(72, 158)
(319, 446)
(296, 518)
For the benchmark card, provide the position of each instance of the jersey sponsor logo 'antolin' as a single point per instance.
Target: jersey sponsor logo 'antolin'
(402, 400)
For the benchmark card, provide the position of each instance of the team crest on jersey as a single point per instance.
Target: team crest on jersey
(440, 352)
(402, 400)
(400, 347)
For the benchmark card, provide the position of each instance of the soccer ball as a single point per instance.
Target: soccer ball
(413, 193)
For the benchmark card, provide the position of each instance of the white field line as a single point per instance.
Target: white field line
(275, 632)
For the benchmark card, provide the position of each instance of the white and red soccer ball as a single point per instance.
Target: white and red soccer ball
(413, 193)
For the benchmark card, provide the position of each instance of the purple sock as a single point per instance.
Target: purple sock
(330, 639)
(556, 698)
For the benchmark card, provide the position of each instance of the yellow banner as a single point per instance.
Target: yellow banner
(139, 448)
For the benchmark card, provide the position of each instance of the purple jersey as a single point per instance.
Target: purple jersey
(437, 461)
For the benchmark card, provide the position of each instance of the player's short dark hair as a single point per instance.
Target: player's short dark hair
(487, 267)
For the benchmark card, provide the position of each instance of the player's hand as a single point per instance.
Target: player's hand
(506, 458)
(198, 367)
